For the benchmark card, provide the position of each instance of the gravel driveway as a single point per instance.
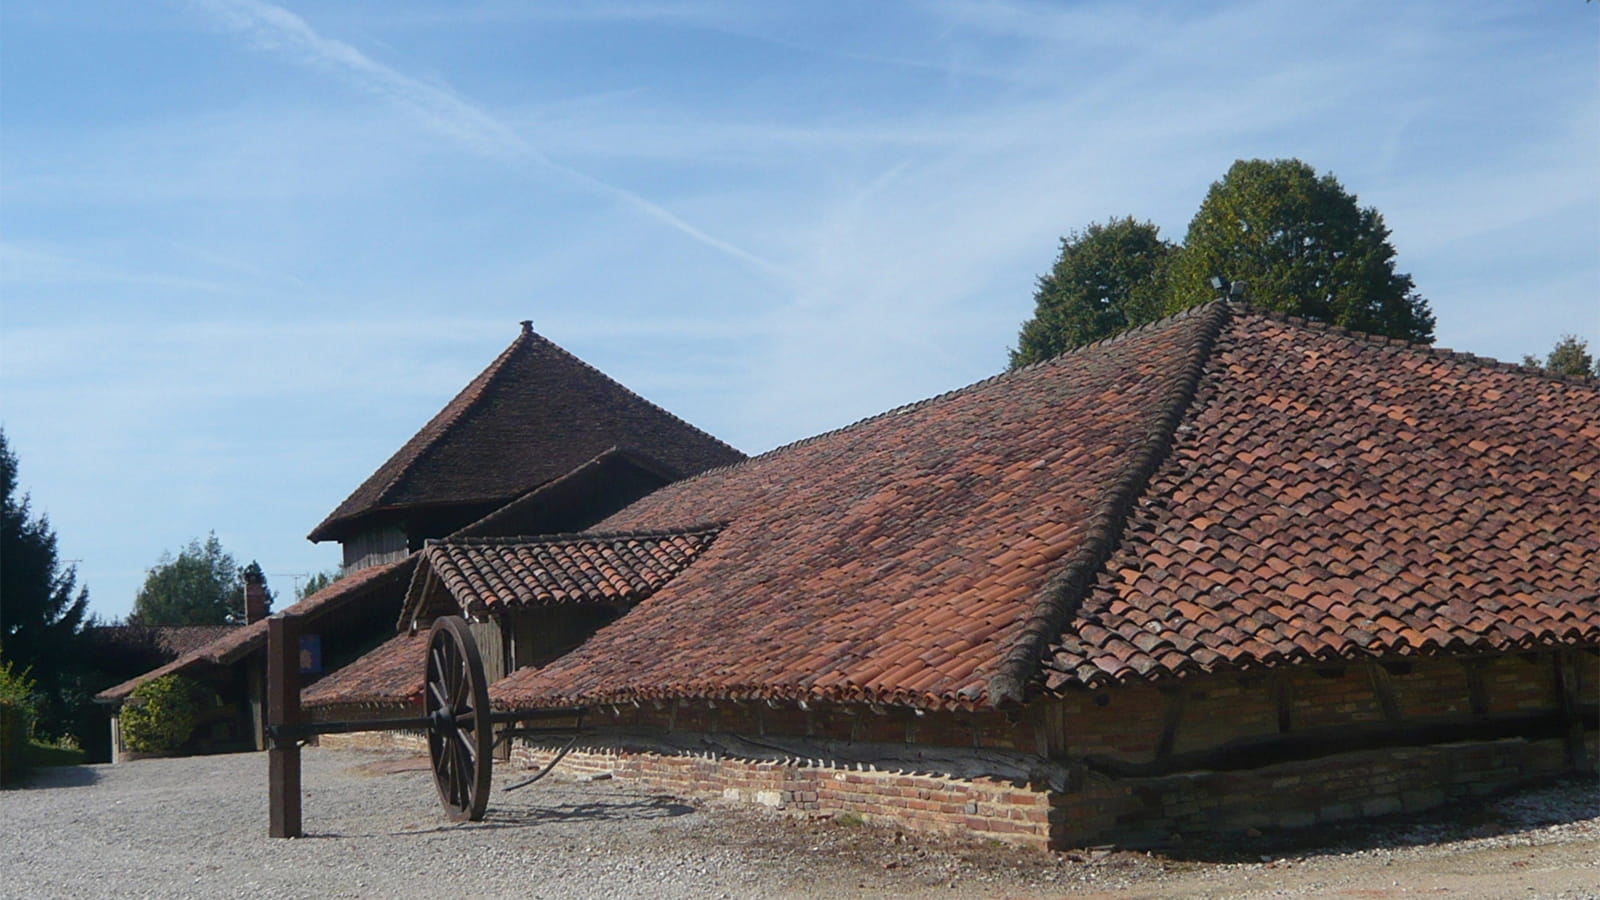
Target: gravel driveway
(197, 828)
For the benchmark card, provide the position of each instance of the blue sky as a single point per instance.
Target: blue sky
(247, 249)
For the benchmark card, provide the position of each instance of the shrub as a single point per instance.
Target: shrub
(160, 714)
(16, 720)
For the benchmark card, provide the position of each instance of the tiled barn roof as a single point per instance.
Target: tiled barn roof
(536, 413)
(390, 675)
(1222, 488)
(1331, 497)
(484, 575)
(239, 641)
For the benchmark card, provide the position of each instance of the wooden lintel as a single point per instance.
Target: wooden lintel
(1383, 689)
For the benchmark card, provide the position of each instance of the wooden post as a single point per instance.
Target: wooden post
(1171, 717)
(1571, 709)
(1383, 689)
(283, 708)
(1282, 693)
(1477, 688)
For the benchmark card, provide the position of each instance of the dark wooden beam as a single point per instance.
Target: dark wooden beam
(1383, 688)
(1477, 688)
(1571, 709)
(1171, 717)
(1282, 692)
(283, 709)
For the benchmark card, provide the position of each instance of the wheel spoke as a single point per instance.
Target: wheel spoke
(436, 669)
(462, 778)
(463, 680)
(466, 747)
(440, 700)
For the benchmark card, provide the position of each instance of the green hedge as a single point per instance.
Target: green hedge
(16, 721)
(160, 715)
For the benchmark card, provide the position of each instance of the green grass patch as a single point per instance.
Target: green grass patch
(54, 755)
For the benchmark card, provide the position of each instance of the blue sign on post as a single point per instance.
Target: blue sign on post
(310, 654)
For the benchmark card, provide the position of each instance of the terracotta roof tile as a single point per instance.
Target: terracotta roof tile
(1408, 501)
(484, 575)
(925, 529)
(239, 641)
(536, 413)
(390, 675)
(1220, 489)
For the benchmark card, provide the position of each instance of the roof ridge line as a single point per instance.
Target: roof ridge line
(474, 388)
(632, 393)
(914, 405)
(1486, 362)
(577, 537)
(1064, 591)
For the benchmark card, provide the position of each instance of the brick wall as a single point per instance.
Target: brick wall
(979, 807)
(1091, 734)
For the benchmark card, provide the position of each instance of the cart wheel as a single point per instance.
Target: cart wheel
(460, 735)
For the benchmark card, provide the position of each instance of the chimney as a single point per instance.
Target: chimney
(255, 594)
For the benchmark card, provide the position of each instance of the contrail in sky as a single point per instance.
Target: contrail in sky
(278, 30)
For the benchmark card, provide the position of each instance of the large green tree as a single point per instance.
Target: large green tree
(1107, 279)
(202, 585)
(1570, 356)
(42, 608)
(1302, 245)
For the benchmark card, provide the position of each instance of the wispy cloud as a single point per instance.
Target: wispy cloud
(224, 306)
(278, 30)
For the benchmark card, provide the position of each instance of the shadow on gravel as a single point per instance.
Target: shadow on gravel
(55, 777)
(610, 810)
(1561, 801)
(619, 809)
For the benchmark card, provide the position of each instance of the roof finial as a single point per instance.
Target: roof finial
(527, 326)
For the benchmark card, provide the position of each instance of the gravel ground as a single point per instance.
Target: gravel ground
(197, 828)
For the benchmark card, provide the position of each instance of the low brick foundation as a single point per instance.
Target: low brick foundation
(1130, 811)
(383, 741)
(981, 807)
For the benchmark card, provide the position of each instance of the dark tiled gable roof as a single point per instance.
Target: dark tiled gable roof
(535, 413)
(486, 574)
(1331, 497)
(1220, 488)
(390, 675)
(899, 559)
(239, 641)
(168, 640)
